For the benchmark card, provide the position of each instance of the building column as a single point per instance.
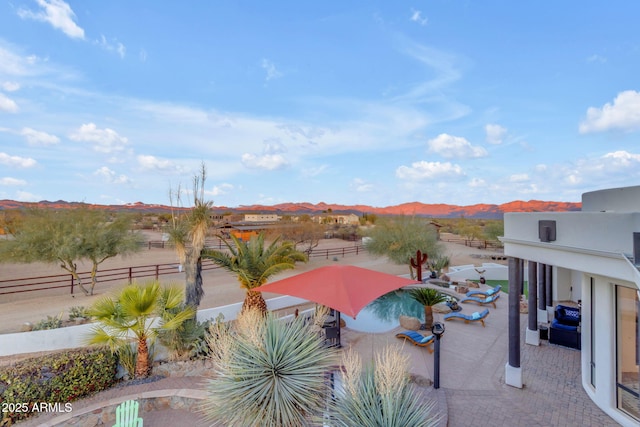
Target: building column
(513, 371)
(548, 281)
(542, 295)
(533, 334)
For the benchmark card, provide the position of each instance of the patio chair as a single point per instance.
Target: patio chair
(127, 414)
(482, 301)
(475, 317)
(417, 338)
(484, 294)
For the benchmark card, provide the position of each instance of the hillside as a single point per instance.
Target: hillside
(485, 211)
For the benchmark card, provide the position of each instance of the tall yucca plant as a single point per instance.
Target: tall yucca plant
(254, 264)
(379, 395)
(188, 231)
(428, 298)
(268, 372)
(130, 317)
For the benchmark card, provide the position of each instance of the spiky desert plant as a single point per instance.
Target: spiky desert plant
(268, 372)
(428, 298)
(137, 314)
(379, 395)
(254, 263)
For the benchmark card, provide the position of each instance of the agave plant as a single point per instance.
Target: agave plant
(379, 395)
(268, 372)
(428, 298)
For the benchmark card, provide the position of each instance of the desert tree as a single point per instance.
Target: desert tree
(305, 235)
(188, 230)
(254, 263)
(137, 315)
(68, 236)
(398, 238)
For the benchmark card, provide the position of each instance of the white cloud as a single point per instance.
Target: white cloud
(219, 190)
(495, 133)
(8, 181)
(416, 16)
(519, 177)
(153, 163)
(35, 137)
(477, 183)
(623, 114)
(15, 161)
(449, 147)
(114, 46)
(361, 186)
(314, 171)
(597, 58)
(429, 170)
(270, 69)
(58, 14)
(622, 159)
(7, 104)
(23, 196)
(10, 86)
(265, 161)
(111, 177)
(105, 140)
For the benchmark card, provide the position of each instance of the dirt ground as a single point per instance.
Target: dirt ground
(220, 287)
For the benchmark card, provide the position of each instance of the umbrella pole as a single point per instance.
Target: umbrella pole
(339, 332)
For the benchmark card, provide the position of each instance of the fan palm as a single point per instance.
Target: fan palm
(129, 317)
(428, 298)
(254, 264)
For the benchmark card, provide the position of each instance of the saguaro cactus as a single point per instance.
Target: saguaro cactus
(417, 263)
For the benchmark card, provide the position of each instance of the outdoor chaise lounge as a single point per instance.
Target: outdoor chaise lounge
(489, 300)
(418, 339)
(484, 294)
(475, 317)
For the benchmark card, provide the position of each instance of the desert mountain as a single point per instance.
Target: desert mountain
(486, 211)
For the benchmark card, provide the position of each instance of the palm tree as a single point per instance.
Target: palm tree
(428, 298)
(187, 232)
(129, 317)
(269, 372)
(254, 264)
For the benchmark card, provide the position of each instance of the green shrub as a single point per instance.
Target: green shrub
(51, 322)
(55, 378)
(78, 312)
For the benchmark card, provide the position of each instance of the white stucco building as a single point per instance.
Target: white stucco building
(590, 257)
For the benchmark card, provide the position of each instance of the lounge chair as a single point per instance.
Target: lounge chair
(489, 300)
(475, 317)
(417, 338)
(127, 415)
(484, 294)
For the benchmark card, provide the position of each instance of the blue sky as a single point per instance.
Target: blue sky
(349, 102)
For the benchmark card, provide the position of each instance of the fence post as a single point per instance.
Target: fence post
(130, 275)
(72, 284)
(157, 271)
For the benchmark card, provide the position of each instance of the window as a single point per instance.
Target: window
(628, 373)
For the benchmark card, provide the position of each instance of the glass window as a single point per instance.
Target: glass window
(628, 370)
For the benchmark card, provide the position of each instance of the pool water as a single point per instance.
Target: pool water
(382, 314)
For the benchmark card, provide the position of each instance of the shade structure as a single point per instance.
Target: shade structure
(345, 288)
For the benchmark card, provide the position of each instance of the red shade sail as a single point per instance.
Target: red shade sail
(345, 288)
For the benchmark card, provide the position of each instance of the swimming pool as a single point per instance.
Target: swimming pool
(382, 314)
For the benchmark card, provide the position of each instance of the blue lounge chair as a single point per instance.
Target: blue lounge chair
(475, 317)
(489, 300)
(418, 339)
(484, 294)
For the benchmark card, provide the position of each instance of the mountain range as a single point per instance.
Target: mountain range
(480, 211)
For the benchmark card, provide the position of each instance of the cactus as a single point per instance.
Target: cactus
(417, 263)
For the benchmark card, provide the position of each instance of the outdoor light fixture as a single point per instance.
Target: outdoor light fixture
(437, 330)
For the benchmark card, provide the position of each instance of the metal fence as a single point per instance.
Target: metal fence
(128, 274)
